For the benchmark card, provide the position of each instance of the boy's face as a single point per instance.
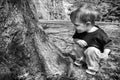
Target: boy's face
(80, 27)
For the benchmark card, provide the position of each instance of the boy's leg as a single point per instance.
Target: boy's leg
(79, 51)
(92, 58)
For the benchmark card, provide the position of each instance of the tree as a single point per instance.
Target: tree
(26, 51)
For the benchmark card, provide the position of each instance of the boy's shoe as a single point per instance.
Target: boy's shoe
(73, 57)
(91, 72)
(80, 63)
(77, 63)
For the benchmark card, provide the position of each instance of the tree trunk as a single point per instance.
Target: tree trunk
(25, 49)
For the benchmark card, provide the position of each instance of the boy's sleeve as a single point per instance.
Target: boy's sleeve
(75, 35)
(106, 40)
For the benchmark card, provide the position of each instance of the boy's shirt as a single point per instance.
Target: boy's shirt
(96, 39)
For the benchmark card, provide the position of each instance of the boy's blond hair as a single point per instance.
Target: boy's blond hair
(86, 13)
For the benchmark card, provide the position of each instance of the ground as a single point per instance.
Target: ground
(109, 68)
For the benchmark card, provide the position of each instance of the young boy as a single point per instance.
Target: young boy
(90, 36)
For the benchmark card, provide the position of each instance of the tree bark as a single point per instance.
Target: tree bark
(26, 50)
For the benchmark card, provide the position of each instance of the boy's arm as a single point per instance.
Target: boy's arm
(78, 41)
(81, 42)
(104, 39)
(107, 49)
(75, 40)
(107, 42)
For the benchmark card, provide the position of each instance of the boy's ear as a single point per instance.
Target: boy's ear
(88, 23)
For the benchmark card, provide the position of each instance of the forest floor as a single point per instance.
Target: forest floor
(110, 68)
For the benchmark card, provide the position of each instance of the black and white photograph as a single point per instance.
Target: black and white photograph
(59, 39)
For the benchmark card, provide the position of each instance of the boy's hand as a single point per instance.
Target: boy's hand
(106, 53)
(82, 43)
